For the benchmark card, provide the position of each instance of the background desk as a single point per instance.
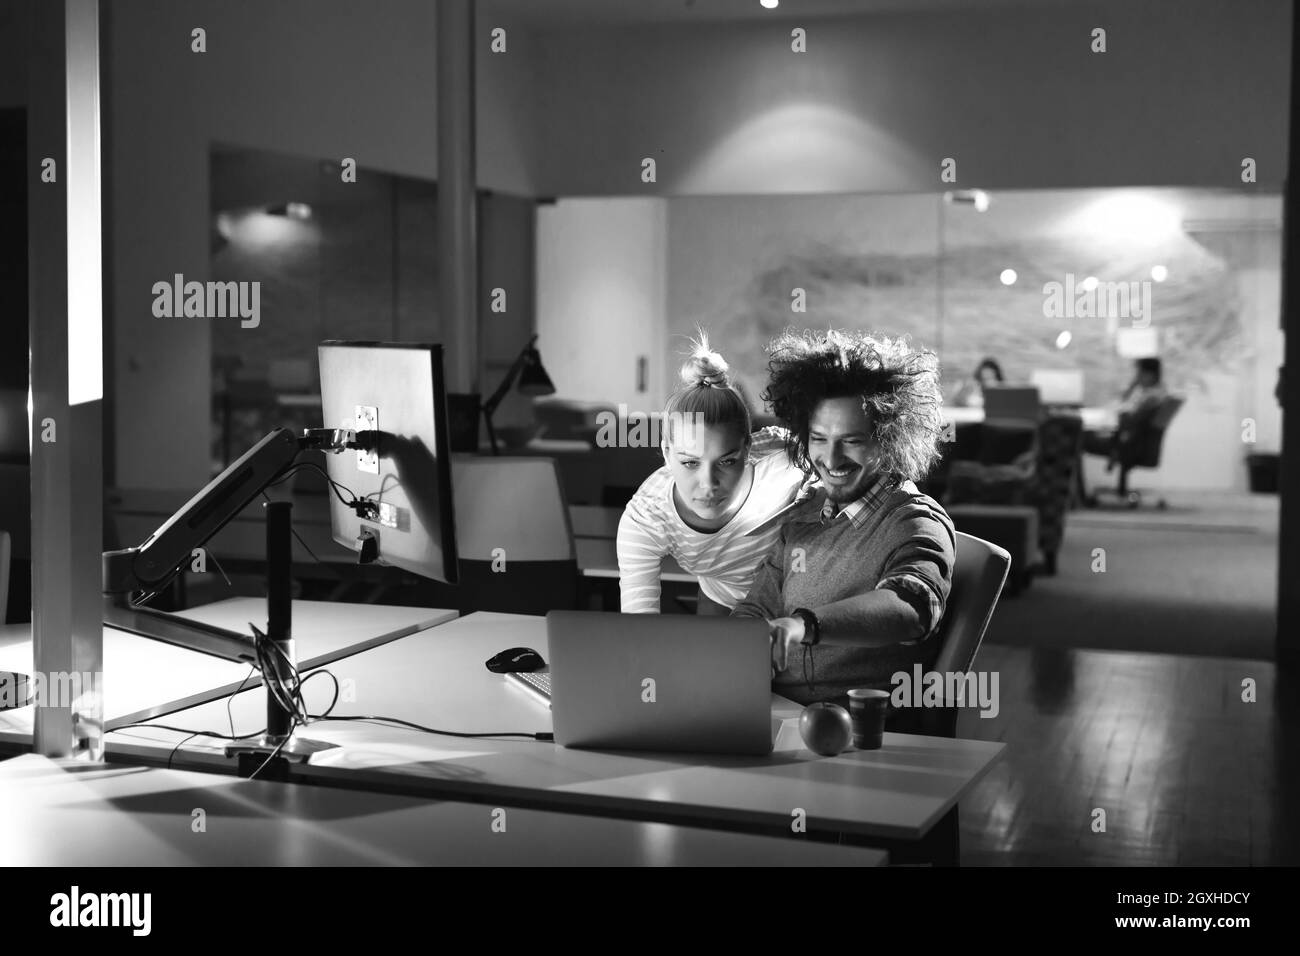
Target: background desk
(894, 795)
(1094, 419)
(595, 532)
(598, 558)
(68, 813)
(144, 678)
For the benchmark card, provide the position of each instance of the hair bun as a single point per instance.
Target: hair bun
(705, 367)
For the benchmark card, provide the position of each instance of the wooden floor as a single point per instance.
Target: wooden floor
(1187, 773)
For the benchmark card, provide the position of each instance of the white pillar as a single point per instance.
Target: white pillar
(65, 316)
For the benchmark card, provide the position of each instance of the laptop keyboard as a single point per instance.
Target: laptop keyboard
(537, 683)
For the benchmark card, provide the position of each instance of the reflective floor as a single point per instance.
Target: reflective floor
(1185, 770)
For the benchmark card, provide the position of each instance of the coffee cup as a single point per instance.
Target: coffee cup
(867, 711)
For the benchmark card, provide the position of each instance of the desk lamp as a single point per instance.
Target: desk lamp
(533, 380)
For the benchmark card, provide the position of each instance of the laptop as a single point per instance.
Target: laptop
(1011, 404)
(655, 682)
(1058, 386)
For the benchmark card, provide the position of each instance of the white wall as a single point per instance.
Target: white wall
(601, 298)
(598, 298)
(314, 78)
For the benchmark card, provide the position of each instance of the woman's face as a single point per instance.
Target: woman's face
(707, 463)
(987, 377)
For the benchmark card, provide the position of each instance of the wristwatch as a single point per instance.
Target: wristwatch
(812, 630)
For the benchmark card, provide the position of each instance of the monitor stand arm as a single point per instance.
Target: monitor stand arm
(155, 563)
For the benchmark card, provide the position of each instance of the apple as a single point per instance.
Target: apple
(825, 728)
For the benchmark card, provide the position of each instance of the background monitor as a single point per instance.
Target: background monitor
(1058, 386)
(1011, 403)
(396, 390)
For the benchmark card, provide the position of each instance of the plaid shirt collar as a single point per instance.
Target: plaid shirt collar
(861, 508)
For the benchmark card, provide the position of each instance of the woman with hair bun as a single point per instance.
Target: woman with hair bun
(718, 484)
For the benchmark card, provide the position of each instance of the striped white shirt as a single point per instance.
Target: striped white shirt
(726, 560)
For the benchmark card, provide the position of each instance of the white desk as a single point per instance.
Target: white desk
(1094, 419)
(144, 678)
(65, 813)
(897, 793)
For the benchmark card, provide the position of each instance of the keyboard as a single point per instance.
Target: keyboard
(537, 683)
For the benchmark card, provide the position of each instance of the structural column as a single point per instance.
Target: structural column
(457, 213)
(1288, 578)
(66, 324)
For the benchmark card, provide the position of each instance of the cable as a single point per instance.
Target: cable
(308, 676)
(383, 484)
(444, 733)
(272, 679)
(186, 730)
(293, 469)
(220, 568)
(300, 705)
(184, 741)
(294, 532)
(306, 547)
(276, 752)
(231, 699)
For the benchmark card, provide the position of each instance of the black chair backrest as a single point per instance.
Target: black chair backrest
(1149, 436)
(523, 587)
(979, 572)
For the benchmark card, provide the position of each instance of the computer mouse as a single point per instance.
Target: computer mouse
(515, 660)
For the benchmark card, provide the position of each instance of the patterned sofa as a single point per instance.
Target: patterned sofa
(1035, 469)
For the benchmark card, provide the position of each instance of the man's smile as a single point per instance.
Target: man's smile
(840, 474)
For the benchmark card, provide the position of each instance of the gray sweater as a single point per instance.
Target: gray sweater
(899, 539)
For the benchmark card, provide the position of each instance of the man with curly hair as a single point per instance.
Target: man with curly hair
(856, 583)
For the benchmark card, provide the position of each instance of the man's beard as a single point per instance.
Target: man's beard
(846, 493)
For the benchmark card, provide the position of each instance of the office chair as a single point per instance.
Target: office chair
(979, 572)
(513, 536)
(1140, 449)
(5, 549)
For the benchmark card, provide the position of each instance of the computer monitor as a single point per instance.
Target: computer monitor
(393, 391)
(1058, 386)
(1011, 403)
